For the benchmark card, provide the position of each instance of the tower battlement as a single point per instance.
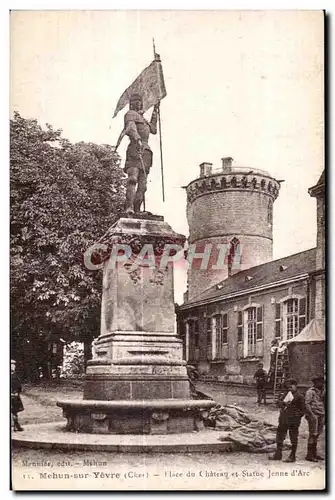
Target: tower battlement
(236, 178)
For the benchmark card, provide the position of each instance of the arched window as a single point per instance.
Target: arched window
(192, 339)
(221, 334)
(194, 332)
(290, 317)
(254, 326)
(240, 327)
(234, 256)
(209, 335)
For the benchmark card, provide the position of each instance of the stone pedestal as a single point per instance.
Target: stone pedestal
(137, 360)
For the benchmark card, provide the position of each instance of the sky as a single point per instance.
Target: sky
(245, 84)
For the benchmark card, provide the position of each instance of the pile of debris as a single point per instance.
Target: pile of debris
(242, 429)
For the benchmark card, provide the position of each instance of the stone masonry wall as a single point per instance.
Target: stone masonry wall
(230, 212)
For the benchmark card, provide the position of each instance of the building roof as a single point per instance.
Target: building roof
(321, 179)
(265, 274)
(318, 189)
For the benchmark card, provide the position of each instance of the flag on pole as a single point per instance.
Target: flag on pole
(150, 84)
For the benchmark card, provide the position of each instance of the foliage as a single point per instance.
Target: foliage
(73, 361)
(63, 198)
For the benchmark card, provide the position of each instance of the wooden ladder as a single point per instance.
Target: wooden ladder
(281, 372)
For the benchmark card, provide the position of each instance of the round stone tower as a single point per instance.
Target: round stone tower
(230, 217)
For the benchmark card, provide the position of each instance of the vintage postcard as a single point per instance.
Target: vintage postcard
(168, 224)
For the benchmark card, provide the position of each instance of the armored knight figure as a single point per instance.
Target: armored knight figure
(139, 154)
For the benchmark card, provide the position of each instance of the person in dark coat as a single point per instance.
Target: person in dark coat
(261, 378)
(292, 409)
(16, 402)
(315, 416)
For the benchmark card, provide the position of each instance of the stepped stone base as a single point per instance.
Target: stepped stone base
(54, 436)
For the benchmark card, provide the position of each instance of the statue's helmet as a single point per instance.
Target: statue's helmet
(135, 97)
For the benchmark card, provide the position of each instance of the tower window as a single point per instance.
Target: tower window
(234, 255)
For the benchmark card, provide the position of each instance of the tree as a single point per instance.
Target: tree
(73, 365)
(63, 198)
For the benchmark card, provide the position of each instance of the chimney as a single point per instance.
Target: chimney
(205, 169)
(227, 164)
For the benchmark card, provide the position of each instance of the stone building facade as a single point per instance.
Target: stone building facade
(318, 277)
(228, 327)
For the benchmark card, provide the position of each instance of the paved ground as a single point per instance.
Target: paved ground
(245, 397)
(51, 469)
(40, 401)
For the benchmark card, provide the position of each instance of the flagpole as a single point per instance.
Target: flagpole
(160, 133)
(160, 143)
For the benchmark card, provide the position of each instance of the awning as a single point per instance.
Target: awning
(313, 332)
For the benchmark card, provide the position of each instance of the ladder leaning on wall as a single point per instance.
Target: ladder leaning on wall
(281, 371)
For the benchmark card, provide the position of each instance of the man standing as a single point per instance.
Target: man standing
(16, 402)
(139, 154)
(292, 408)
(315, 415)
(261, 379)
